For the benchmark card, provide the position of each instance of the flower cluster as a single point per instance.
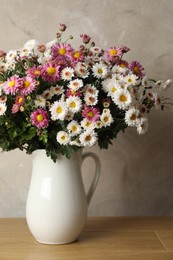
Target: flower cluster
(57, 98)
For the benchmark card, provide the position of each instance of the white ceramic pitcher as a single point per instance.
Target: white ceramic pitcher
(56, 208)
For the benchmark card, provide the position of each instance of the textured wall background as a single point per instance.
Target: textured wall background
(137, 175)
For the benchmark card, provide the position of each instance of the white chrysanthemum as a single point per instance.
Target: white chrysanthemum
(58, 110)
(119, 69)
(106, 118)
(91, 90)
(24, 52)
(51, 43)
(130, 79)
(81, 70)
(75, 84)
(145, 82)
(87, 124)
(11, 56)
(74, 104)
(63, 138)
(95, 50)
(122, 98)
(142, 125)
(99, 70)
(98, 124)
(46, 57)
(117, 76)
(3, 108)
(69, 116)
(67, 73)
(74, 128)
(31, 44)
(40, 101)
(157, 100)
(112, 87)
(131, 117)
(105, 83)
(47, 94)
(57, 90)
(163, 85)
(88, 138)
(90, 100)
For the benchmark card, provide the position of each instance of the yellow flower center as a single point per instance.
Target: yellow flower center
(133, 117)
(73, 104)
(76, 55)
(40, 118)
(88, 124)
(11, 84)
(63, 137)
(62, 51)
(106, 119)
(37, 72)
(51, 71)
(88, 138)
(130, 80)
(113, 52)
(26, 84)
(59, 110)
(74, 128)
(123, 98)
(20, 100)
(90, 114)
(113, 89)
(136, 69)
(123, 65)
(100, 71)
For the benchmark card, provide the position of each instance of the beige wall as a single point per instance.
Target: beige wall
(137, 171)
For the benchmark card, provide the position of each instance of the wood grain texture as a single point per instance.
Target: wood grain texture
(137, 238)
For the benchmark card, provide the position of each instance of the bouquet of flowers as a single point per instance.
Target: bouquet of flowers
(60, 99)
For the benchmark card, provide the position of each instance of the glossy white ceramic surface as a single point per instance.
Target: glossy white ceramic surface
(57, 204)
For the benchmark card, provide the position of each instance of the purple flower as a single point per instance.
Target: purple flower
(137, 69)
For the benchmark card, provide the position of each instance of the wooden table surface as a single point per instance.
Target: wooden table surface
(121, 238)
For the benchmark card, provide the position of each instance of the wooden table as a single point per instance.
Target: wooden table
(122, 238)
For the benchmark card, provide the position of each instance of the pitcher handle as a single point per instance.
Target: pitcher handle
(96, 174)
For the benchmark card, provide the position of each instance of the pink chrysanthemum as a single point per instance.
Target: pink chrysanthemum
(61, 51)
(113, 53)
(91, 114)
(123, 64)
(76, 56)
(19, 100)
(137, 69)
(39, 118)
(50, 72)
(28, 85)
(13, 85)
(34, 72)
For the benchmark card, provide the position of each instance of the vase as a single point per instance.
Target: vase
(56, 207)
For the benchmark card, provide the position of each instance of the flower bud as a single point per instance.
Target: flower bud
(58, 35)
(2, 53)
(41, 48)
(85, 38)
(92, 44)
(62, 27)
